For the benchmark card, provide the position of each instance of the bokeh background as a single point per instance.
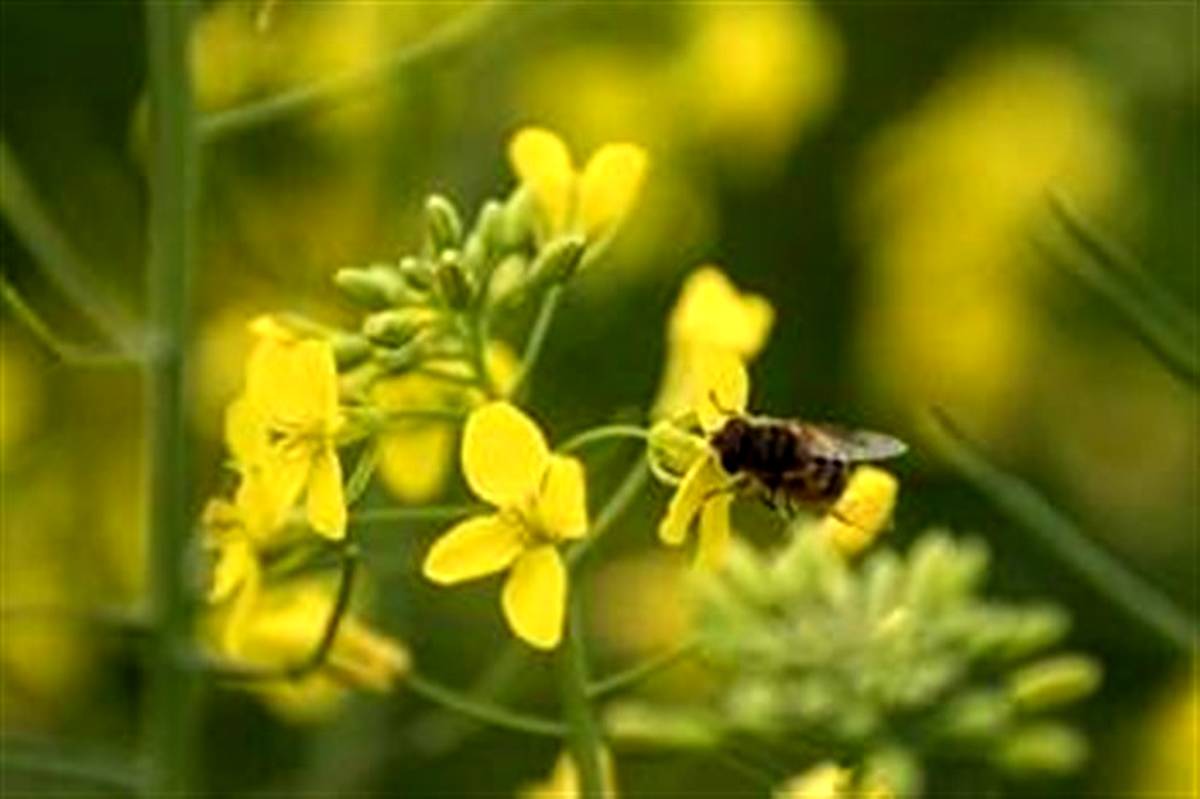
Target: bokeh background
(878, 170)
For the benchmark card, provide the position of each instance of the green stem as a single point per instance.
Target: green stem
(1141, 600)
(422, 513)
(58, 259)
(77, 768)
(64, 351)
(624, 495)
(583, 734)
(537, 340)
(173, 197)
(605, 433)
(482, 711)
(640, 671)
(364, 469)
(455, 33)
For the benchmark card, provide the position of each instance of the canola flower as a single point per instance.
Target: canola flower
(282, 431)
(541, 502)
(588, 202)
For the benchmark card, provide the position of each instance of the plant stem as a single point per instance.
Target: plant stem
(421, 513)
(640, 671)
(58, 259)
(536, 341)
(1106, 574)
(66, 352)
(173, 196)
(620, 500)
(583, 736)
(455, 33)
(605, 433)
(480, 710)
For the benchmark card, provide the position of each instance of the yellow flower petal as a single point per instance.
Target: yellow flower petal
(542, 162)
(715, 532)
(474, 548)
(561, 504)
(609, 185)
(862, 511)
(326, 504)
(722, 386)
(712, 311)
(535, 597)
(293, 382)
(504, 454)
(700, 484)
(245, 432)
(235, 564)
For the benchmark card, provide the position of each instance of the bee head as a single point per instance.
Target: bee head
(731, 442)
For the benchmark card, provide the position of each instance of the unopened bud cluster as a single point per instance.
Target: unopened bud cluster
(870, 662)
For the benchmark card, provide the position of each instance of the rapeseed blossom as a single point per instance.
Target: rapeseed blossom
(282, 432)
(588, 202)
(862, 511)
(540, 501)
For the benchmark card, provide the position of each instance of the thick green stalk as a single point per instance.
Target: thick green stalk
(583, 736)
(173, 195)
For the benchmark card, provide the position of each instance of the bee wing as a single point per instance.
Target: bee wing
(854, 445)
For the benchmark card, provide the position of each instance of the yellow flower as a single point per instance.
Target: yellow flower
(704, 490)
(825, 781)
(563, 781)
(710, 321)
(541, 501)
(862, 511)
(235, 577)
(282, 432)
(281, 626)
(414, 457)
(590, 202)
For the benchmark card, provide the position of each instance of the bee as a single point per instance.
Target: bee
(796, 463)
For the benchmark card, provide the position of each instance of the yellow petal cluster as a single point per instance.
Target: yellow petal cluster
(863, 510)
(563, 780)
(282, 432)
(590, 202)
(540, 500)
(414, 457)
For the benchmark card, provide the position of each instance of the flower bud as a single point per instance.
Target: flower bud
(416, 272)
(1046, 747)
(976, 716)
(890, 773)
(490, 226)
(638, 723)
(349, 349)
(445, 225)
(1054, 681)
(672, 450)
(376, 287)
(557, 261)
(517, 224)
(452, 283)
(394, 327)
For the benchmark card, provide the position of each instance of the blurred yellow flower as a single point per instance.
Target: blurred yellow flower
(283, 625)
(754, 75)
(950, 198)
(825, 781)
(282, 432)
(541, 501)
(704, 492)
(415, 457)
(711, 321)
(563, 781)
(591, 202)
(1166, 764)
(862, 512)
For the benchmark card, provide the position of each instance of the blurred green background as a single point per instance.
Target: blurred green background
(878, 170)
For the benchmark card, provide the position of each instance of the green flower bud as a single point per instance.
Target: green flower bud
(394, 327)
(517, 225)
(416, 272)
(557, 261)
(490, 226)
(507, 279)
(891, 772)
(1054, 681)
(672, 450)
(1046, 748)
(445, 225)
(452, 283)
(349, 349)
(639, 723)
(976, 716)
(365, 287)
